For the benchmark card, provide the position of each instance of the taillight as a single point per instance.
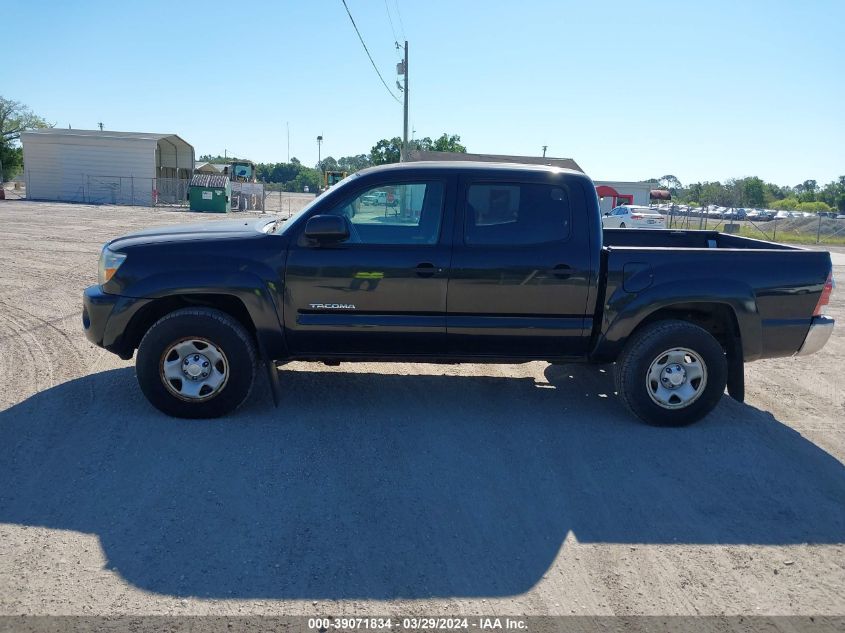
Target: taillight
(635, 216)
(824, 299)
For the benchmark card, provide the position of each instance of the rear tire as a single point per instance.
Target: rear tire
(196, 363)
(671, 373)
(622, 225)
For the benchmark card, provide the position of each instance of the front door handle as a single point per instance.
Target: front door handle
(562, 271)
(426, 270)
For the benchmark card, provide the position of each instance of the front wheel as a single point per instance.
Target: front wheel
(196, 363)
(672, 373)
(622, 226)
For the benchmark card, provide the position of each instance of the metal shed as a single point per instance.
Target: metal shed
(104, 167)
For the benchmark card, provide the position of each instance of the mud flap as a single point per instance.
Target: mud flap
(273, 377)
(272, 374)
(736, 372)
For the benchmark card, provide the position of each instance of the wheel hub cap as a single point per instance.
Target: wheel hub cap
(676, 378)
(194, 369)
(196, 366)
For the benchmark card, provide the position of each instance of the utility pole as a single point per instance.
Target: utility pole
(405, 125)
(544, 150)
(101, 126)
(319, 155)
(402, 69)
(287, 123)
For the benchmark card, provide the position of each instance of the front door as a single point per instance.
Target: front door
(521, 271)
(382, 291)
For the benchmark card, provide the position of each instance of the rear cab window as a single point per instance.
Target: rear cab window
(516, 214)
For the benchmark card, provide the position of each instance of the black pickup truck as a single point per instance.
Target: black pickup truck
(454, 262)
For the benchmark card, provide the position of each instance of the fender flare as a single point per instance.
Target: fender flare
(625, 311)
(245, 286)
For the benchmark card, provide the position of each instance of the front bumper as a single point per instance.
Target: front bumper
(106, 319)
(97, 306)
(820, 330)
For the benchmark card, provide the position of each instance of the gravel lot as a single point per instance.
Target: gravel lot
(404, 488)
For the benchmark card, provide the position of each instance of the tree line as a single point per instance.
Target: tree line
(294, 176)
(754, 193)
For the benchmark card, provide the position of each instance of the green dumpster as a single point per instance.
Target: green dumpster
(210, 193)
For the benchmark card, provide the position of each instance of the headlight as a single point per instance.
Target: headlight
(109, 263)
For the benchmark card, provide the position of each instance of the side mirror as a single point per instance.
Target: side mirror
(606, 215)
(327, 228)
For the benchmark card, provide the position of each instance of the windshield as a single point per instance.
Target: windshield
(282, 227)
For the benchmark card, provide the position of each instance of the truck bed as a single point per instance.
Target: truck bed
(644, 238)
(771, 289)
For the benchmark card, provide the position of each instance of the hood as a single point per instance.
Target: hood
(226, 229)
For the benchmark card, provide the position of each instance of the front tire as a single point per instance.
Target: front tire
(196, 363)
(622, 225)
(671, 373)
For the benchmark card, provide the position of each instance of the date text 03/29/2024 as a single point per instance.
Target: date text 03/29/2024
(416, 623)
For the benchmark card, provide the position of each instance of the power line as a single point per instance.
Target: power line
(392, 30)
(386, 87)
(399, 13)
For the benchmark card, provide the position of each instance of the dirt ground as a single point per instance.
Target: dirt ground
(384, 489)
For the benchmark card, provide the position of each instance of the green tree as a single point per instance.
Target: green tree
(15, 118)
(11, 159)
(328, 164)
(385, 151)
(693, 192)
(310, 178)
(354, 163)
(448, 143)
(753, 192)
(389, 151)
(806, 190)
(787, 204)
(671, 183)
(812, 207)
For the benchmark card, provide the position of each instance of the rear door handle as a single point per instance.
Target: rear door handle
(562, 271)
(426, 270)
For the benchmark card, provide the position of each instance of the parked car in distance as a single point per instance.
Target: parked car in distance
(783, 215)
(633, 217)
(734, 214)
(380, 198)
(760, 215)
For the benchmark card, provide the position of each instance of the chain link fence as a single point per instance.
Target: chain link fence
(788, 227)
(285, 203)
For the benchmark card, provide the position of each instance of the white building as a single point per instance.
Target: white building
(104, 167)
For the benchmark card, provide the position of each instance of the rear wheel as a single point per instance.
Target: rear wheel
(622, 225)
(196, 363)
(672, 373)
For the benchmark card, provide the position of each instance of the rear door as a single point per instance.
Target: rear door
(521, 270)
(383, 291)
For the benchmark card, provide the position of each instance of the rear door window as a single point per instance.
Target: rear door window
(516, 214)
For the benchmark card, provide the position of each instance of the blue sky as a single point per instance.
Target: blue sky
(630, 90)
